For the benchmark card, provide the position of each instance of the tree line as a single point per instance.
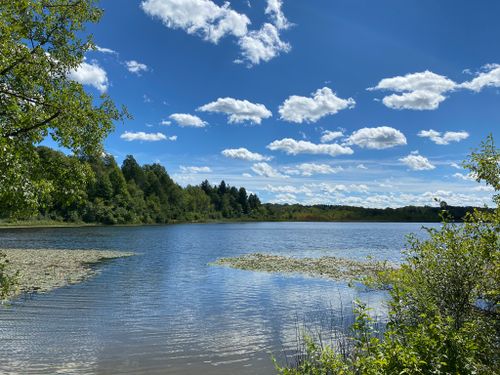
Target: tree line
(98, 190)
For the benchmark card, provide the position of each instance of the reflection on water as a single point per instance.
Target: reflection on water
(166, 311)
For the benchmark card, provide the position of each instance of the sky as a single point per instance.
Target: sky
(356, 102)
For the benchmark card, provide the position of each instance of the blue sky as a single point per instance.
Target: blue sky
(371, 103)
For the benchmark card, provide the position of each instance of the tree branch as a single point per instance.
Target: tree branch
(33, 127)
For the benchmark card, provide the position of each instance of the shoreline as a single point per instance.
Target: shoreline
(43, 270)
(230, 221)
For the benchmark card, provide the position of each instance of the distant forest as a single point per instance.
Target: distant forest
(135, 194)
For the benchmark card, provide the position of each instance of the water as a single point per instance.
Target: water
(166, 311)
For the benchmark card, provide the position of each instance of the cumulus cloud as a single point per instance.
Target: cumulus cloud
(142, 136)
(187, 120)
(172, 138)
(238, 111)
(213, 22)
(265, 44)
(244, 154)
(262, 45)
(323, 102)
(136, 67)
(309, 169)
(200, 17)
(264, 169)
(274, 10)
(444, 139)
(90, 74)
(418, 91)
(417, 162)
(488, 77)
(195, 169)
(361, 166)
(378, 138)
(294, 147)
(329, 136)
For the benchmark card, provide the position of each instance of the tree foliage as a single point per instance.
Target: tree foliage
(40, 45)
(444, 313)
(95, 189)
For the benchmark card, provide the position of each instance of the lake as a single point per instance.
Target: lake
(166, 311)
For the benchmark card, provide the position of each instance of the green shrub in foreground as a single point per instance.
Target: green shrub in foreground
(444, 305)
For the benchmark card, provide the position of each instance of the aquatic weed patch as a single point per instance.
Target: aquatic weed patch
(43, 270)
(327, 266)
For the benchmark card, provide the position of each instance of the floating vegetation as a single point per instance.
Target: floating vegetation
(44, 270)
(326, 266)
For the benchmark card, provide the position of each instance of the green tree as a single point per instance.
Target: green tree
(40, 45)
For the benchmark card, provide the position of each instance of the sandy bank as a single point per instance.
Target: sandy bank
(44, 270)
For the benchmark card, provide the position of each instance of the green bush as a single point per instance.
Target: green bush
(8, 280)
(444, 300)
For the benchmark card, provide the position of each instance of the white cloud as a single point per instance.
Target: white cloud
(418, 91)
(378, 138)
(445, 139)
(195, 169)
(284, 199)
(287, 189)
(105, 50)
(244, 154)
(166, 122)
(324, 102)
(309, 169)
(483, 188)
(465, 177)
(90, 74)
(294, 147)
(489, 77)
(333, 188)
(361, 166)
(262, 45)
(417, 162)
(136, 67)
(142, 136)
(248, 175)
(264, 169)
(238, 110)
(201, 17)
(212, 22)
(187, 120)
(329, 136)
(273, 9)
(172, 138)
(456, 166)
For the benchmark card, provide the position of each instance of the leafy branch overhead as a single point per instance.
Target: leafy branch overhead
(40, 44)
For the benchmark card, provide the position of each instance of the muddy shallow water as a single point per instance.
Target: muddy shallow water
(166, 311)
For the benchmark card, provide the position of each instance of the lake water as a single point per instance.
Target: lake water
(166, 311)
